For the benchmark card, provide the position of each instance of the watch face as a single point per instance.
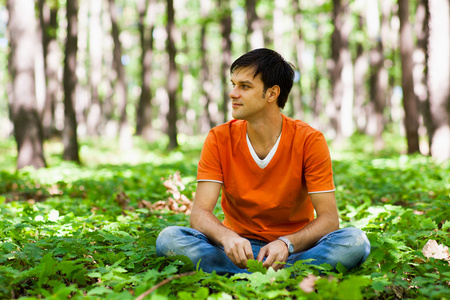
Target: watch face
(291, 248)
(288, 244)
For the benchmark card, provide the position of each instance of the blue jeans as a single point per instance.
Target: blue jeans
(349, 246)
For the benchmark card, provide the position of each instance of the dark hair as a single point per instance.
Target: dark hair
(274, 69)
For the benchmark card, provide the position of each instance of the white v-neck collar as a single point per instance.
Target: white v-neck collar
(262, 163)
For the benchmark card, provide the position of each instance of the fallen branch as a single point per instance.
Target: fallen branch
(160, 284)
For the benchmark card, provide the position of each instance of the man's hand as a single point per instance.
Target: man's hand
(238, 250)
(276, 254)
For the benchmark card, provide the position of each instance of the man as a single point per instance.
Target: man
(274, 172)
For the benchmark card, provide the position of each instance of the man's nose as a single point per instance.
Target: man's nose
(234, 93)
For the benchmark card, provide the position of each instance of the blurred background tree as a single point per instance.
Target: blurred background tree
(23, 111)
(161, 67)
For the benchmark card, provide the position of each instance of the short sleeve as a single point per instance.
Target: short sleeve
(317, 161)
(209, 166)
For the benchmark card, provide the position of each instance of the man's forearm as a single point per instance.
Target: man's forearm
(238, 249)
(313, 232)
(327, 221)
(208, 224)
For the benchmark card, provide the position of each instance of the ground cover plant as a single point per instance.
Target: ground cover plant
(89, 231)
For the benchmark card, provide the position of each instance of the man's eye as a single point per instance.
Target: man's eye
(245, 86)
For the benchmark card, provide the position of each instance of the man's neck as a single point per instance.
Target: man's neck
(264, 133)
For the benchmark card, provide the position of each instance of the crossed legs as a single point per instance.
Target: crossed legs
(348, 246)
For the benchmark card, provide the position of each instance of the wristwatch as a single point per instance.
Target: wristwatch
(288, 244)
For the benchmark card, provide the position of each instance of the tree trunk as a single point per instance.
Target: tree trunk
(297, 106)
(317, 104)
(27, 125)
(225, 26)
(439, 78)
(378, 73)
(409, 98)
(108, 107)
(206, 119)
(378, 87)
(342, 71)
(172, 81)
(420, 69)
(144, 110)
(96, 55)
(49, 25)
(125, 139)
(39, 67)
(70, 80)
(255, 36)
(278, 25)
(360, 71)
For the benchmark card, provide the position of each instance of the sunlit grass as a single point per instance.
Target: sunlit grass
(360, 146)
(97, 151)
(8, 154)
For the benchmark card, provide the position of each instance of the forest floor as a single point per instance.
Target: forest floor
(88, 231)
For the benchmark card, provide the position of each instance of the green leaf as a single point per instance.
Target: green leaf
(95, 274)
(67, 267)
(100, 290)
(47, 268)
(221, 296)
(183, 261)
(8, 247)
(341, 269)
(201, 293)
(280, 275)
(379, 284)
(351, 288)
(433, 275)
(277, 294)
(255, 266)
(256, 279)
(446, 226)
(185, 296)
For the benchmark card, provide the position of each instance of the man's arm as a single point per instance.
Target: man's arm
(238, 249)
(327, 221)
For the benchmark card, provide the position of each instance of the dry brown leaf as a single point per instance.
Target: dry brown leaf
(176, 202)
(122, 199)
(145, 204)
(432, 249)
(174, 184)
(308, 283)
(398, 290)
(419, 260)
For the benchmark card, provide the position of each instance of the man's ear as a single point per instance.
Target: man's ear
(273, 93)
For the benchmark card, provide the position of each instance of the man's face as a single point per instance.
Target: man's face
(247, 96)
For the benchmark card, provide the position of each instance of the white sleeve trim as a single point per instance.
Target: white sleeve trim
(199, 180)
(322, 192)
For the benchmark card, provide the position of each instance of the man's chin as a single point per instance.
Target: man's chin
(235, 116)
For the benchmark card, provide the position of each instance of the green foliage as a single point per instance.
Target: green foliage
(64, 233)
(256, 266)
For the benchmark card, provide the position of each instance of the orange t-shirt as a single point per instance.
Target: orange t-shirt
(271, 202)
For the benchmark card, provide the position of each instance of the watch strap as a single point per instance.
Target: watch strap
(288, 244)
